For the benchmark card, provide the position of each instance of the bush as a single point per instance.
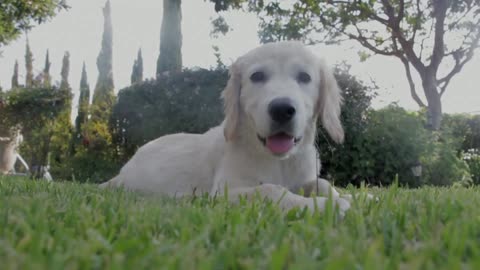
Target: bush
(390, 144)
(338, 158)
(183, 102)
(465, 127)
(442, 162)
(35, 111)
(472, 158)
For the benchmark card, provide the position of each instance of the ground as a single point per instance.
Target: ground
(77, 226)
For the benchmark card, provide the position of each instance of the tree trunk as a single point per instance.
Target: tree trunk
(170, 59)
(434, 113)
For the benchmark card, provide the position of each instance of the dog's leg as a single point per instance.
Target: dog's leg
(286, 199)
(324, 189)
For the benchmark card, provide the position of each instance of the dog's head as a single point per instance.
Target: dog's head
(277, 92)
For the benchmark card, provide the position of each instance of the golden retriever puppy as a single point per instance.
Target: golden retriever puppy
(265, 145)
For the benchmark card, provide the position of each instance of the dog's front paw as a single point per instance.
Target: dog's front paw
(368, 197)
(343, 206)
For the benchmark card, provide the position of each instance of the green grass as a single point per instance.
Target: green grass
(76, 226)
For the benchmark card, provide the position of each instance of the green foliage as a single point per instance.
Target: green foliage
(465, 127)
(90, 165)
(388, 144)
(219, 27)
(223, 5)
(472, 158)
(30, 107)
(183, 102)
(20, 15)
(442, 164)
(170, 58)
(34, 111)
(337, 158)
(104, 96)
(83, 105)
(47, 79)
(28, 66)
(15, 83)
(79, 226)
(61, 148)
(137, 70)
(64, 84)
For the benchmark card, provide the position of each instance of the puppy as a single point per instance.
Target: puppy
(265, 145)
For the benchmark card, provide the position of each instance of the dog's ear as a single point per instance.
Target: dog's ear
(329, 103)
(231, 101)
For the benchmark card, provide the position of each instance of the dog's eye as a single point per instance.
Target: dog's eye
(303, 77)
(257, 77)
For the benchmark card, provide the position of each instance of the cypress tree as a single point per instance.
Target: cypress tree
(28, 66)
(83, 102)
(15, 75)
(137, 70)
(103, 95)
(65, 71)
(62, 130)
(47, 79)
(170, 59)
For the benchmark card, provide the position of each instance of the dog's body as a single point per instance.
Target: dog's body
(273, 99)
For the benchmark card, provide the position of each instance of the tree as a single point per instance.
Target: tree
(15, 75)
(103, 95)
(21, 15)
(413, 31)
(28, 66)
(47, 79)
(137, 70)
(83, 103)
(59, 138)
(65, 71)
(170, 59)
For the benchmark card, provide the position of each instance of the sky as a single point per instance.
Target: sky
(136, 24)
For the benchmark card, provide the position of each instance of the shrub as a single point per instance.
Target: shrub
(35, 111)
(465, 127)
(338, 158)
(183, 102)
(392, 142)
(442, 162)
(472, 158)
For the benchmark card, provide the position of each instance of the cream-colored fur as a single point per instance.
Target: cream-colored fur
(232, 155)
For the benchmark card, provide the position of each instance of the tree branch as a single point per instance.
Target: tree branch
(407, 46)
(459, 63)
(415, 27)
(401, 12)
(440, 12)
(364, 41)
(413, 92)
(455, 23)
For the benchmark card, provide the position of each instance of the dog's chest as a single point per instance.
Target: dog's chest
(244, 171)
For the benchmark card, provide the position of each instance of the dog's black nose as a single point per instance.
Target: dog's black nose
(281, 110)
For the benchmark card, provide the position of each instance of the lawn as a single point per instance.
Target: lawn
(76, 226)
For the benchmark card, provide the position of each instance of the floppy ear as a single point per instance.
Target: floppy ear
(231, 100)
(329, 103)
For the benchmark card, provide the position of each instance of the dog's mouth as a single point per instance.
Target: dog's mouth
(279, 143)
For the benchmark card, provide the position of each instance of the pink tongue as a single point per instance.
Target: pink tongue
(280, 143)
